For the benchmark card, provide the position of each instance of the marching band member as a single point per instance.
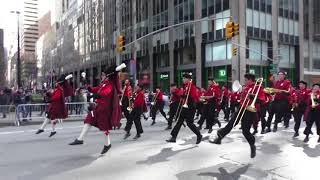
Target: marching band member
(127, 94)
(57, 108)
(210, 99)
(106, 114)
(312, 112)
(281, 100)
(234, 102)
(300, 100)
(139, 106)
(174, 104)
(225, 102)
(158, 104)
(248, 94)
(190, 98)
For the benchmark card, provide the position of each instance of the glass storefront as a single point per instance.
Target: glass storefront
(163, 80)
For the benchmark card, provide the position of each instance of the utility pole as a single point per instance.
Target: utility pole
(18, 51)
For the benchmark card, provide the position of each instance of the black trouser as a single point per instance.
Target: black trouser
(199, 107)
(297, 115)
(124, 106)
(281, 110)
(313, 118)
(234, 107)
(209, 114)
(262, 117)
(155, 108)
(173, 112)
(246, 124)
(187, 114)
(225, 108)
(271, 111)
(134, 117)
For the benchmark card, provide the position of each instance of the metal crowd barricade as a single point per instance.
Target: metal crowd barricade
(7, 113)
(30, 112)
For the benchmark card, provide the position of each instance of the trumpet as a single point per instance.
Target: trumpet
(185, 105)
(313, 103)
(274, 90)
(246, 101)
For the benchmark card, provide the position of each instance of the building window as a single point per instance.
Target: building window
(218, 51)
(258, 48)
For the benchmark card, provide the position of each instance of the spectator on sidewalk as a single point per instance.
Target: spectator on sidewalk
(4, 101)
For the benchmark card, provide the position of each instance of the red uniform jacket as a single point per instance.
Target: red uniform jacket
(283, 85)
(261, 96)
(128, 91)
(235, 97)
(213, 90)
(309, 108)
(57, 108)
(193, 95)
(106, 113)
(303, 96)
(175, 96)
(160, 97)
(139, 101)
(68, 89)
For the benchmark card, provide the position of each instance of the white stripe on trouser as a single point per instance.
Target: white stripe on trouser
(45, 122)
(106, 140)
(84, 131)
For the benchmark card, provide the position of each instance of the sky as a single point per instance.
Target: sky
(8, 21)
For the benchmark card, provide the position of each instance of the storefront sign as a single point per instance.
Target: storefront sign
(252, 71)
(164, 76)
(222, 73)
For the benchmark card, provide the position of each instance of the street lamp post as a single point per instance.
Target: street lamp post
(18, 51)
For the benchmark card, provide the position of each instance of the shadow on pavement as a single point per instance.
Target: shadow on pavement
(163, 156)
(311, 152)
(224, 171)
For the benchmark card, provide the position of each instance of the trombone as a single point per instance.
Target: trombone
(185, 105)
(154, 99)
(130, 107)
(246, 101)
(313, 103)
(122, 95)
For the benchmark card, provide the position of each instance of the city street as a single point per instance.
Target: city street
(27, 156)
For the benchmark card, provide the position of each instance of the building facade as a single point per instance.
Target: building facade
(273, 36)
(3, 61)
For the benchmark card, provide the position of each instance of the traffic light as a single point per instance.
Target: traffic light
(234, 51)
(121, 44)
(232, 29)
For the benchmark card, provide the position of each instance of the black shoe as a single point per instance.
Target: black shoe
(127, 135)
(137, 137)
(153, 122)
(296, 134)
(219, 124)
(268, 130)
(199, 138)
(217, 140)
(311, 132)
(105, 149)
(306, 139)
(119, 126)
(199, 128)
(319, 140)
(52, 133)
(210, 131)
(171, 140)
(76, 142)
(40, 131)
(262, 131)
(168, 128)
(275, 128)
(286, 126)
(4, 116)
(146, 118)
(255, 132)
(253, 151)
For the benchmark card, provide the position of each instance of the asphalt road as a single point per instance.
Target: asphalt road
(26, 156)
